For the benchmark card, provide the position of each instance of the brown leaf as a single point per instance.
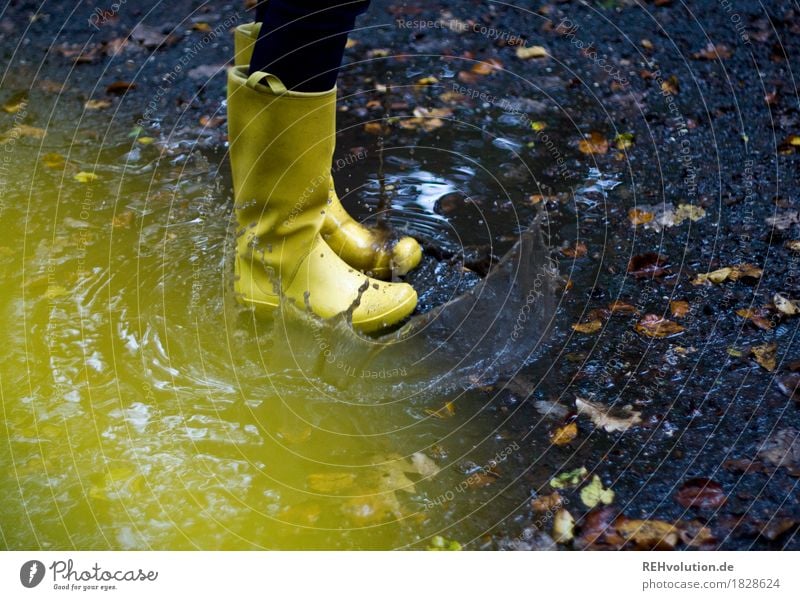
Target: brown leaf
(622, 308)
(606, 417)
(118, 88)
(376, 128)
(713, 52)
(696, 535)
(543, 504)
(783, 450)
(744, 270)
(655, 326)
(648, 534)
(577, 251)
(765, 355)
(638, 216)
(588, 326)
(95, 104)
(670, 86)
(594, 143)
(701, 493)
(649, 264)
(757, 316)
(679, 308)
(790, 385)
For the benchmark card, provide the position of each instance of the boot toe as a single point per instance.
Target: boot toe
(406, 255)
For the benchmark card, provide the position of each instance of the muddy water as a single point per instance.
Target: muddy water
(145, 409)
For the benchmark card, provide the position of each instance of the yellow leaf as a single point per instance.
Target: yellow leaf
(594, 493)
(145, 140)
(563, 526)
(650, 535)
(86, 177)
(655, 326)
(427, 81)
(97, 104)
(564, 435)
(765, 355)
(588, 326)
(624, 141)
(525, 52)
(538, 125)
(53, 160)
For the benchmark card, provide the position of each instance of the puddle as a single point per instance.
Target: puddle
(145, 409)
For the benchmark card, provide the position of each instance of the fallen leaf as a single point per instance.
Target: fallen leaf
(757, 316)
(783, 450)
(423, 464)
(790, 386)
(376, 128)
(543, 504)
(696, 535)
(22, 130)
(623, 141)
(701, 493)
(211, 122)
(123, 221)
(793, 245)
(16, 103)
(648, 534)
(655, 326)
(201, 27)
(594, 493)
(646, 44)
(427, 81)
(86, 177)
(588, 327)
(594, 143)
(526, 53)
(765, 355)
(578, 250)
(649, 264)
(119, 88)
(564, 435)
(569, 479)
(563, 526)
(622, 308)
(679, 308)
(784, 305)
(53, 160)
(670, 85)
(606, 417)
(713, 52)
(538, 125)
(97, 104)
(637, 216)
(733, 273)
(440, 543)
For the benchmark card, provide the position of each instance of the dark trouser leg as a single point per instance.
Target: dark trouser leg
(303, 41)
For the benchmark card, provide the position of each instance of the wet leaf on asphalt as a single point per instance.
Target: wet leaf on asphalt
(713, 52)
(593, 143)
(528, 52)
(565, 434)
(661, 216)
(426, 119)
(16, 103)
(790, 386)
(759, 317)
(765, 355)
(543, 504)
(118, 88)
(655, 326)
(784, 305)
(618, 307)
(679, 308)
(701, 493)
(588, 327)
(649, 264)
(608, 418)
(696, 535)
(782, 449)
(569, 479)
(376, 128)
(735, 273)
(578, 250)
(671, 85)
(594, 493)
(648, 534)
(95, 104)
(563, 526)
(639, 216)
(53, 160)
(623, 141)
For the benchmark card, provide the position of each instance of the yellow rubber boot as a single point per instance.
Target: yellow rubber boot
(365, 249)
(281, 146)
